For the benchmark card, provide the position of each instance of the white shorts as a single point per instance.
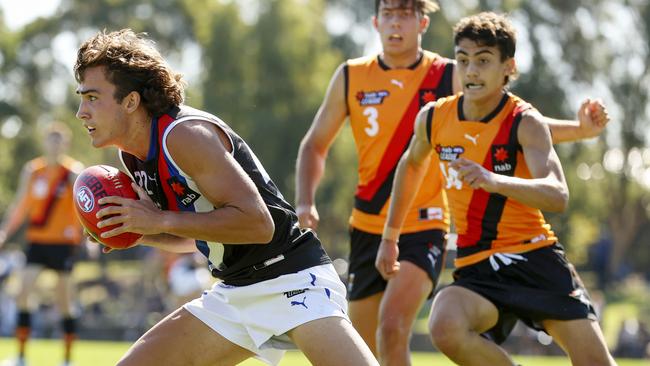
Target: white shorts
(257, 316)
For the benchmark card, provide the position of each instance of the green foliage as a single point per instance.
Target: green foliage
(294, 61)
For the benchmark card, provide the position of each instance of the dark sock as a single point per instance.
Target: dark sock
(22, 331)
(69, 335)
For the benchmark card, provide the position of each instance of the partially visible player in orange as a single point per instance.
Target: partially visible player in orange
(500, 170)
(381, 94)
(44, 200)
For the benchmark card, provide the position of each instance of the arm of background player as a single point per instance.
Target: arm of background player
(546, 190)
(314, 147)
(240, 215)
(592, 119)
(18, 209)
(408, 177)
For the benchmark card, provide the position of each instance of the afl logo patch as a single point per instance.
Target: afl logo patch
(85, 199)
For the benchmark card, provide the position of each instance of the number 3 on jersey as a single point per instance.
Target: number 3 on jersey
(373, 126)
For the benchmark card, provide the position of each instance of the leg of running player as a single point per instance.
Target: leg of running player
(332, 341)
(28, 278)
(403, 298)
(582, 340)
(364, 315)
(65, 303)
(458, 317)
(65, 294)
(182, 339)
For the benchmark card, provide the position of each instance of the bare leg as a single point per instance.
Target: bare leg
(181, 339)
(364, 315)
(582, 340)
(332, 341)
(458, 317)
(28, 279)
(402, 300)
(65, 294)
(65, 302)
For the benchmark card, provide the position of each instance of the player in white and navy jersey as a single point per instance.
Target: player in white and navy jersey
(200, 186)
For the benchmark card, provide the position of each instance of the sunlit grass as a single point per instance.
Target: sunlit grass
(49, 353)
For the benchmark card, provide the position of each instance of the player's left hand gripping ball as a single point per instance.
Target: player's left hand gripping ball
(94, 183)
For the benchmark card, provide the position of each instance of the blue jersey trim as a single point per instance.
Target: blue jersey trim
(153, 146)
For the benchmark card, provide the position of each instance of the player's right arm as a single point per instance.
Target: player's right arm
(411, 169)
(314, 147)
(18, 209)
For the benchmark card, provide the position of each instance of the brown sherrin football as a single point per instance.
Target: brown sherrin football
(93, 183)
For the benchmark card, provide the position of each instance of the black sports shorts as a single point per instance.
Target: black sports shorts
(425, 249)
(531, 286)
(59, 257)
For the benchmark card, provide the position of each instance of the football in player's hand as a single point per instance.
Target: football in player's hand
(93, 183)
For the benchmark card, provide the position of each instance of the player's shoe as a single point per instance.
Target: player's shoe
(15, 362)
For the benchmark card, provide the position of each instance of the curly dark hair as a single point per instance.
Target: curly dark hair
(132, 64)
(488, 29)
(422, 7)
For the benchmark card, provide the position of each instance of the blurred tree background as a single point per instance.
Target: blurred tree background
(264, 65)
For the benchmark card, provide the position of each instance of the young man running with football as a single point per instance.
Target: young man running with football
(202, 188)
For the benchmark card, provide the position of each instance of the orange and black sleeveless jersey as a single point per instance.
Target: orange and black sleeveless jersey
(50, 204)
(486, 223)
(382, 105)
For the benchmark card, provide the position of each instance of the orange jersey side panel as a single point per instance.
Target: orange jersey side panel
(50, 203)
(486, 223)
(383, 104)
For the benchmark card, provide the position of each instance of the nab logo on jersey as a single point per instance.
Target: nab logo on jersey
(371, 97)
(426, 96)
(449, 153)
(185, 194)
(504, 159)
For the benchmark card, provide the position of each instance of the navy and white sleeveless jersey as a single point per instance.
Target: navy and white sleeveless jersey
(291, 248)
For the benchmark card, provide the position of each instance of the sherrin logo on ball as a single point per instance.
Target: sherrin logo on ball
(93, 183)
(85, 199)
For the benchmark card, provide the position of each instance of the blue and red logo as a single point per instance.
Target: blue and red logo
(371, 97)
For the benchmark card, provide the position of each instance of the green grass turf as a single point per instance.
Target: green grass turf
(87, 353)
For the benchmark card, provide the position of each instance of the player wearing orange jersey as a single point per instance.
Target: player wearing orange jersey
(500, 169)
(44, 200)
(381, 95)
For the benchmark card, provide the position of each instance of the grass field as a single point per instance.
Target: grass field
(87, 353)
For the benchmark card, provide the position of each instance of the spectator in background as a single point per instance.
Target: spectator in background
(187, 276)
(633, 339)
(599, 258)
